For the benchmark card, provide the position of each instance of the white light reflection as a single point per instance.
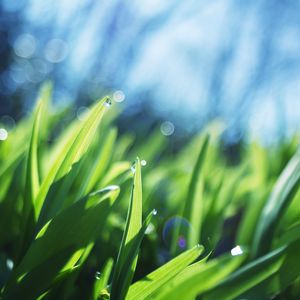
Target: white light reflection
(3, 134)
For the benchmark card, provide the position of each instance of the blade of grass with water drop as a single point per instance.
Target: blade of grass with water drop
(76, 145)
(102, 282)
(282, 194)
(201, 280)
(132, 228)
(144, 288)
(248, 276)
(75, 228)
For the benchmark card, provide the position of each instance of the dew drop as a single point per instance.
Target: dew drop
(143, 162)
(97, 275)
(133, 168)
(3, 134)
(154, 212)
(236, 251)
(107, 102)
(9, 264)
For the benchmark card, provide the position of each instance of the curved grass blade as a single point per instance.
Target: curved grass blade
(117, 169)
(75, 228)
(289, 270)
(193, 268)
(31, 182)
(248, 276)
(202, 280)
(144, 288)
(283, 192)
(76, 145)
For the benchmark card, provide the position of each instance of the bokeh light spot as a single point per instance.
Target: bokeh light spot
(119, 96)
(167, 128)
(25, 45)
(181, 228)
(56, 50)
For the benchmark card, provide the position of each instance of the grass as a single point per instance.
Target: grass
(196, 226)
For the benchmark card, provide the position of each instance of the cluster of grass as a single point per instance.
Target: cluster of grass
(76, 223)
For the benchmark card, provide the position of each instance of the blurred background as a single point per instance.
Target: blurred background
(179, 64)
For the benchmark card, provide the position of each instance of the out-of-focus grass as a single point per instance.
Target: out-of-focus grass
(221, 231)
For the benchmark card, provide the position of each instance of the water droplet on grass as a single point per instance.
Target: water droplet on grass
(236, 251)
(107, 102)
(154, 212)
(9, 264)
(3, 134)
(133, 168)
(143, 162)
(97, 275)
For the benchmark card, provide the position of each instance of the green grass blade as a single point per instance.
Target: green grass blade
(76, 145)
(283, 192)
(128, 268)
(248, 276)
(132, 228)
(103, 160)
(193, 268)
(289, 270)
(32, 173)
(144, 288)
(75, 228)
(32, 182)
(117, 169)
(193, 205)
(202, 280)
(102, 282)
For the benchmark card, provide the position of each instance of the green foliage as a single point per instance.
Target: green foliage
(64, 195)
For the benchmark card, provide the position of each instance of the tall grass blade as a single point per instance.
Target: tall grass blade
(248, 276)
(132, 228)
(152, 283)
(76, 145)
(75, 228)
(283, 192)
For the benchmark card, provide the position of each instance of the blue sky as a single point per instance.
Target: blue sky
(184, 54)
